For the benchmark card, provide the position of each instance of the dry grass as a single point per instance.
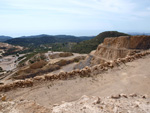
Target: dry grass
(66, 54)
(38, 65)
(41, 67)
(58, 55)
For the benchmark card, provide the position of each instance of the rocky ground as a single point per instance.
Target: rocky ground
(22, 106)
(120, 103)
(130, 78)
(114, 104)
(8, 62)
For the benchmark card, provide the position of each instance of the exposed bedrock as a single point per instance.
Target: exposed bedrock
(113, 48)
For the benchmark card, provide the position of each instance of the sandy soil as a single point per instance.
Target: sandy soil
(52, 61)
(134, 77)
(8, 63)
(66, 68)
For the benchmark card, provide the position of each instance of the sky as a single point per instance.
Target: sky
(73, 17)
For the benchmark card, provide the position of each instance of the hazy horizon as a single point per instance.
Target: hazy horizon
(73, 17)
(15, 36)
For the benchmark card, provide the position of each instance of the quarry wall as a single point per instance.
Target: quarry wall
(120, 47)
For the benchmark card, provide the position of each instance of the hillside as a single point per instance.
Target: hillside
(4, 38)
(89, 45)
(6, 49)
(138, 33)
(44, 39)
(119, 84)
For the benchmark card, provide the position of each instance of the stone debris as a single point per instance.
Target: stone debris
(133, 95)
(3, 97)
(118, 104)
(23, 106)
(116, 96)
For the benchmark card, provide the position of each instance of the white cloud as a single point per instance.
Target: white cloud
(74, 6)
(73, 14)
(81, 7)
(36, 5)
(116, 6)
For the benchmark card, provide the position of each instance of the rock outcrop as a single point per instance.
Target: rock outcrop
(118, 47)
(128, 42)
(122, 104)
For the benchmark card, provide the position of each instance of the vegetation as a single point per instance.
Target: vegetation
(1, 69)
(34, 41)
(42, 67)
(66, 47)
(26, 57)
(89, 45)
(57, 55)
(31, 57)
(44, 43)
(37, 58)
(4, 38)
(11, 51)
(65, 54)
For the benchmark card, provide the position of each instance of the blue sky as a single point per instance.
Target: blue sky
(74, 17)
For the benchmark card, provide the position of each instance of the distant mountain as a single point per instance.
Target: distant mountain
(59, 36)
(89, 45)
(137, 33)
(31, 41)
(86, 37)
(45, 39)
(70, 36)
(4, 38)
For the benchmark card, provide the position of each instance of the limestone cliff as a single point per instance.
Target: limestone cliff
(118, 47)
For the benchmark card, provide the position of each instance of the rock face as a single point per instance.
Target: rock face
(123, 104)
(128, 42)
(118, 47)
